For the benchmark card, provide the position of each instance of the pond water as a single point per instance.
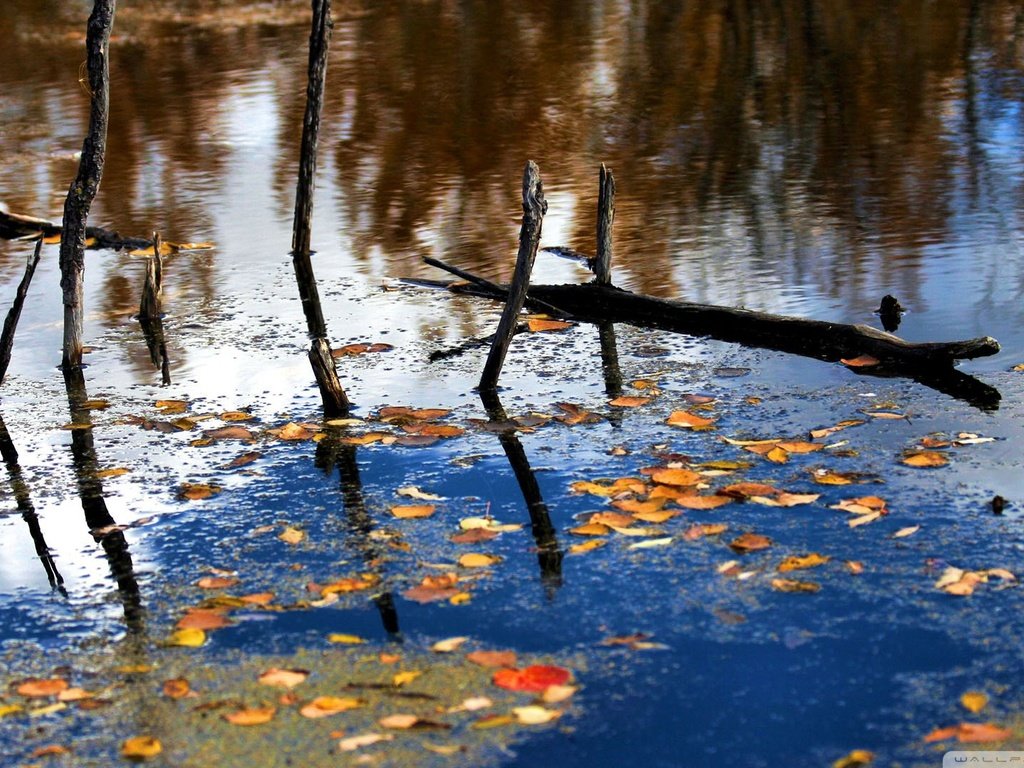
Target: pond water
(802, 158)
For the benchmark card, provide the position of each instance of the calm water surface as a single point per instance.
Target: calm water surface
(804, 158)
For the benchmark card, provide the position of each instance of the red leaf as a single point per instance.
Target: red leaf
(532, 679)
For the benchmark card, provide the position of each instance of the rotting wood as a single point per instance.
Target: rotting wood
(87, 181)
(335, 401)
(930, 363)
(534, 208)
(152, 288)
(16, 226)
(14, 314)
(605, 219)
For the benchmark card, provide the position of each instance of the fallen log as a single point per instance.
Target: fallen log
(930, 363)
(17, 226)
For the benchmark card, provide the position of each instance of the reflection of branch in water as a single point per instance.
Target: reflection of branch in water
(549, 556)
(153, 332)
(28, 511)
(952, 382)
(90, 489)
(331, 453)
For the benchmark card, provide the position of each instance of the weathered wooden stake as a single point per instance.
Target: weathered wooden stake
(605, 219)
(11, 323)
(333, 394)
(83, 189)
(153, 287)
(534, 208)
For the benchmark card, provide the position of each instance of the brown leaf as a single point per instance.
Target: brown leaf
(627, 401)
(699, 530)
(750, 542)
(800, 562)
(217, 582)
(177, 688)
(360, 349)
(792, 585)
(745, 490)
(203, 618)
(229, 433)
(703, 502)
(198, 491)
(493, 658)
(473, 536)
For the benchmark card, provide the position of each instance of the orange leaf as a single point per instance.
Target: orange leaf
(627, 401)
(537, 324)
(925, 459)
(203, 618)
(408, 511)
(42, 688)
(699, 530)
(217, 582)
(250, 716)
(861, 361)
(324, 706)
(177, 688)
(703, 502)
(492, 658)
(688, 420)
(750, 542)
(682, 477)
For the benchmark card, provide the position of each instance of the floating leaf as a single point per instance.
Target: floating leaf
(858, 758)
(250, 716)
(613, 519)
(970, 733)
(533, 679)
(324, 706)
(861, 361)
(699, 530)
(405, 677)
(590, 529)
(292, 535)
(488, 523)
(413, 492)
(746, 490)
(229, 433)
(477, 560)
(908, 531)
(750, 542)
(651, 543)
(688, 420)
(177, 688)
(587, 546)
(413, 511)
(203, 618)
(493, 658)
(800, 562)
(792, 585)
(42, 688)
(360, 349)
(974, 701)
(340, 638)
(51, 750)
(140, 747)
(473, 536)
(925, 459)
(655, 516)
(400, 413)
(492, 721)
(537, 325)
(786, 499)
(555, 694)
(188, 638)
(353, 743)
(292, 431)
(217, 582)
(448, 645)
(535, 715)
(198, 491)
(817, 434)
(112, 472)
(434, 430)
(172, 406)
(433, 588)
(75, 694)
(628, 401)
(677, 477)
(283, 678)
(703, 502)
(400, 721)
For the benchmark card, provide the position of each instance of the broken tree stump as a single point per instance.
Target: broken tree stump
(534, 208)
(605, 219)
(335, 401)
(87, 181)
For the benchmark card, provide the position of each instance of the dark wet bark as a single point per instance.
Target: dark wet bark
(534, 208)
(605, 219)
(87, 181)
(11, 322)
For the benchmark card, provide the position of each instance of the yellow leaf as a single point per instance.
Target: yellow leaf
(198, 491)
(140, 747)
(858, 758)
(477, 560)
(9, 709)
(795, 562)
(460, 598)
(112, 472)
(339, 638)
(235, 416)
(47, 710)
(586, 546)
(188, 638)
(292, 535)
(974, 701)
(925, 459)
(405, 677)
(172, 406)
(590, 529)
(250, 716)
(411, 511)
(324, 706)
(777, 455)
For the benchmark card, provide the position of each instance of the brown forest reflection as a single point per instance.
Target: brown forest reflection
(795, 142)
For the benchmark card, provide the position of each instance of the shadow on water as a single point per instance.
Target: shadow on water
(23, 499)
(101, 524)
(549, 554)
(332, 454)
